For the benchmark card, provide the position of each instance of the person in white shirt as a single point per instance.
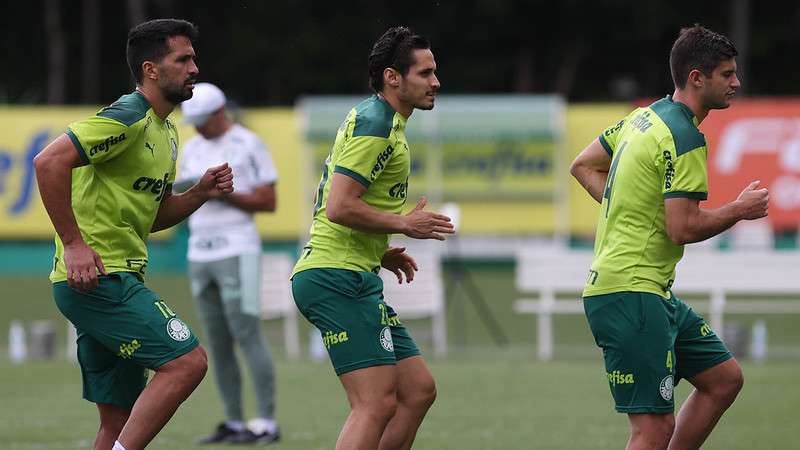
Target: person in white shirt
(224, 257)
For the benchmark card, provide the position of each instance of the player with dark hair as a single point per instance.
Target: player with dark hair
(649, 172)
(358, 207)
(106, 184)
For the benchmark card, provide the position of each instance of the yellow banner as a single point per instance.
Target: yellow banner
(26, 130)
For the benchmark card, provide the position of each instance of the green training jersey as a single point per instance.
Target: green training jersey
(130, 158)
(371, 148)
(657, 153)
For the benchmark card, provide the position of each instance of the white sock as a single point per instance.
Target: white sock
(118, 446)
(260, 425)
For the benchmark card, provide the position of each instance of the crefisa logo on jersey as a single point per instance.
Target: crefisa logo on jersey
(386, 339)
(178, 330)
(106, 145)
(669, 172)
(665, 388)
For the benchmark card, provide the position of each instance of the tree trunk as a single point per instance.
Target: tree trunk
(56, 52)
(90, 52)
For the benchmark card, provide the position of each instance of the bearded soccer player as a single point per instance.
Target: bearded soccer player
(649, 172)
(358, 206)
(106, 184)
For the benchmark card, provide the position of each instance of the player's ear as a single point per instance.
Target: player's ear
(391, 77)
(149, 70)
(696, 78)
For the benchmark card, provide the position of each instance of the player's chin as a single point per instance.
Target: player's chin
(426, 104)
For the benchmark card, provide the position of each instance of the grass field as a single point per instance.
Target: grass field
(489, 397)
(489, 403)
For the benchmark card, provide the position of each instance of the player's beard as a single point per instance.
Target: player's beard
(176, 93)
(717, 102)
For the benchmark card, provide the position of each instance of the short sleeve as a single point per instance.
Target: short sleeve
(363, 158)
(100, 139)
(260, 162)
(686, 175)
(608, 139)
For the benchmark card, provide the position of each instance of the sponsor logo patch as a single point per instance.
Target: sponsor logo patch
(386, 339)
(333, 338)
(666, 387)
(178, 330)
(106, 145)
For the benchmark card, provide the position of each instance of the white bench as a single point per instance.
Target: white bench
(277, 301)
(552, 271)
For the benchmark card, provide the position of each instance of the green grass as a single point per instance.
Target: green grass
(489, 397)
(488, 403)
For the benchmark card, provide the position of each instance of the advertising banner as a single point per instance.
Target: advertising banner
(756, 139)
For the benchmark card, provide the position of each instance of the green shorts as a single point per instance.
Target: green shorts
(358, 328)
(649, 343)
(123, 327)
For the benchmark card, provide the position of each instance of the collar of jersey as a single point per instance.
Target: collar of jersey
(684, 108)
(150, 107)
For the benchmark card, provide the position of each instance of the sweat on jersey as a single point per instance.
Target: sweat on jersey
(657, 153)
(218, 230)
(130, 158)
(370, 148)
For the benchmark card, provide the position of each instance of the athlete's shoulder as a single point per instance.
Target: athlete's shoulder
(128, 109)
(243, 136)
(373, 117)
(679, 119)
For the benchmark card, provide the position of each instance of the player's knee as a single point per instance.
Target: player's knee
(382, 407)
(729, 386)
(193, 365)
(424, 394)
(654, 431)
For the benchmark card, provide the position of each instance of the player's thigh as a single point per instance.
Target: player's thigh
(697, 347)
(128, 319)
(238, 279)
(107, 378)
(205, 290)
(348, 309)
(415, 383)
(374, 386)
(636, 332)
(398, 335)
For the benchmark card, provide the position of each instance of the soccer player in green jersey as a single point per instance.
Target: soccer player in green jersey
(106, 184)
(359, 205)
(649, 173)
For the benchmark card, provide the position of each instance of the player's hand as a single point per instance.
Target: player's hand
(753, 202)
(425, 224)
(396, 260)
(217, 181)
(82, 264)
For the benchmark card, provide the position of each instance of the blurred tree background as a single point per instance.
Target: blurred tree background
(272, 52)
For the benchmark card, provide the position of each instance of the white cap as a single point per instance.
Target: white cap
(206, 99)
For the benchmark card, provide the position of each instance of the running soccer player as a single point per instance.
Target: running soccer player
(358, 206)
(649, 173)
(106, 184)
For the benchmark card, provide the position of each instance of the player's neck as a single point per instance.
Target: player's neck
(692, 101)
(404, 109)
(161, 106)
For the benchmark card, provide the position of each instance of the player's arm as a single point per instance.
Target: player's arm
(590, 168)
(262, 198)
(346, 207)
(215, 183)
(687, 222)
(53, 167)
